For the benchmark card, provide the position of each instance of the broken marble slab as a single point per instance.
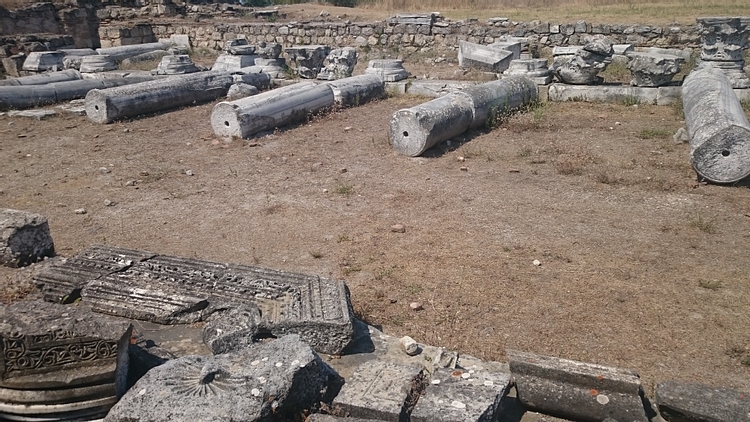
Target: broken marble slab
(513, 47)
(232, 63)
(307, 60)
(136, 284)
(75, 107)
(24, 238)
(462, 395)
(339, 64)
(584, 64)
(653, 69)
(239, 47)
(277, 380)
(684, 402)
(381, 390)
(319, 417)
(483, 57)
(390, 70)
(232, 329)
(60, 361)
(276, 68)
(38, 114)
(176, 65)
(97, 63)
(144, 57)
(241, 90)
(576, 390)
(437, 88)
(41, 61)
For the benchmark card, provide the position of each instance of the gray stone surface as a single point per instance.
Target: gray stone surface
(60, 361)
(122, 52)
(107, 105)
(724, 41)
(339, 64)
(653, 69)
(24, 238)
(436, 88)
(43, 78)
(276, 68)
(269, 50)
(576, 390)
(684, 402)
(233, 329)
(233, 63)
(40, 61)
(491, 100)
(38, 114)
(663, 95)
(144, 57)
(259, 80)
(307, 60)
(717, 125)
(176, 65)
(380, 390)
(390, 70)
(145, 286)
(535, 69)
(483, 57)
(413, 18)
(469, 395)
(583, 66)
(357, 90)
(97, 63)
(279, 107)
(272, 381)
(239, 47)
(318, 417)
(241, 90)
(512, 46)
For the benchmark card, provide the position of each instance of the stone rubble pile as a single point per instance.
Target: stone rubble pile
(307, 60)
(580, 66)
(339, 64)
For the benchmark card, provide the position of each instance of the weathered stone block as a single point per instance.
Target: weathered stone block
(24, 238)
(682, 402)
(45, 60)
(653, 69)
(176, 65)
(390, 70)
(483, 57)
(576, 390)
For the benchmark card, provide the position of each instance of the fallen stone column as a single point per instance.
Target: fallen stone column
(417, 129)
(576, 390)
(278, 107)
(29, 96)
(24, 238)
(717, 126)
(122, 52)
(105, 106)
(357, 90)
(44, 78)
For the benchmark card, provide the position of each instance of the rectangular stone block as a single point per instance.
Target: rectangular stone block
(468, 395)
(699, 403)
(576, 390)
(483, 57)
(413, 18)
(380, 390)
(513, 47)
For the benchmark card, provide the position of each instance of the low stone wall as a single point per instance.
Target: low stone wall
(442, 36)
(78, 21)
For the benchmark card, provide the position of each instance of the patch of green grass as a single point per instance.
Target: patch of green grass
(746, 361)
(616, 72)
(631, 100)
(745, 103)
(344, 189)
(651, 133)
(702, 224)
(710, 284)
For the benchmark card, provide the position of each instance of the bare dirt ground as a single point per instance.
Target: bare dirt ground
(641, 266)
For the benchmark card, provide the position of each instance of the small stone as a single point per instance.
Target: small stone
(189, 173)
(537, 263)
(343, 170)
(105, 170)
(325, 190)
(461, 159)
(398, 228)
(464, 169)
(108, 203)
(126, 130)
(416, 306)
(80, 211)
(392, 300)
(514, 171)
(347, 129)
(130, 183)
(409, 346)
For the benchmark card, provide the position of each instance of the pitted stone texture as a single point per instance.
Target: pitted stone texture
(97, 63)
(717, 125)
(276, 68)
(534, 69)
(172, 289)
(151, 55)
(239, 47)
(40, 61)
(663, 95)
(269, 50)
(271, 381)
(700, 403)
(241, 90)
(583, 66)
(512, 46)
(176, 65)
(43, 78)
(60, 361)
(319, 417)
(233, 329)
(381, 390)
(462, 395)
(308, 59)
(724, 41)
(122, 52)
(390, 70)
(357, 90)
(487, 58)
(233, 63)
(339, 64)
(653, 69)
(24, 238)
(576, 390)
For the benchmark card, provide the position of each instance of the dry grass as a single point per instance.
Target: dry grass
(620, 11)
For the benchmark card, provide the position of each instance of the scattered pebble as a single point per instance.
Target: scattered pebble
(347, 129)
(130, 183)
(189, 173)
(80, 211)
(537, 263)
(143, 173)
(514, 171)
(416, 306)
(398, 228)
(461, 159)
(126, 130)
(108, 203)
(393, 300)
(464, 169)
(343, 170)
(325, 190)
(409, 346)
(105, 170)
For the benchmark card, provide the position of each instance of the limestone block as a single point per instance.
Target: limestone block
(684, 53)
(483, 57)
(148, 56)
(455, 395)
(60, 362)
(43, 78)
(390, 70)
(241, 90)
(276, 380)
(381, 390)
(717, 125)
(13, 64)
(513, 47)
(413, 19)
(576, 390)
(233, 329)
(232, 63)
(694, 402)
(585, 64)
(319, 417)
(24, 238)
(176, 65)
(276, 68)
(239, 47)
(40, 61)
(534, 69)
(307, 60)
(269, 50)
(653, 69)
(357, 90)
(623, 49)
(122, 52)
(97, 63)
(339, 64)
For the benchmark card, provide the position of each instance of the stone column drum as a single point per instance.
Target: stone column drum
(717, 125)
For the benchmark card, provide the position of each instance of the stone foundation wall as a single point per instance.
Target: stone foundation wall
(439, 37)
(78, 21)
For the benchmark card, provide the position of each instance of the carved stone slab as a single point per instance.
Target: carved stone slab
(483, 57)
(455, 395)
(380, 390)
(576, 390)
(271, 381)
(24, 238)
(169, 289)
(694, 402)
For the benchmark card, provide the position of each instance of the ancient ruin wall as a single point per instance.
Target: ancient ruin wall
(80, 22)
(439, 37)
